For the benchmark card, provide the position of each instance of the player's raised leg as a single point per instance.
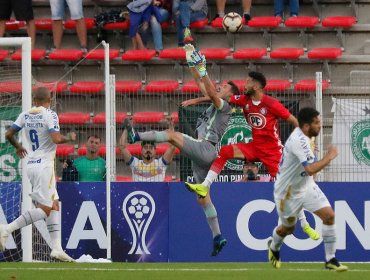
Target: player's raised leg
(312, 233)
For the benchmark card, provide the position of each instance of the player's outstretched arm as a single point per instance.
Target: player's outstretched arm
(292, 120)
(10, 136)
(317, 166)
(122, 146)
(59, 138)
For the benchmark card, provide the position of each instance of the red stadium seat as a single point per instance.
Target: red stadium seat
(44, 24)
(35, 55)
(99, 54)
(165, 24)
(162, 86)
(287, 53)
(325, 53)
(217, 22)
(250, 53)
(239, 83)
(100, 118)
(117, 25)
(121, 178)
(309, 85)
(65, 150)
(68, 55)
(216, 53)
(71, 24)
(74, 118)
(57, 87)
(199, 23)
(138, 55)
(3, 54)
(175, 117)
(101, 152)
(128, 86)
(173, 53)
(302, 21)
(277, 85)
(339, 21)
(134, 149)
(148, 117)
(10, 87)
(192, 87)
(87, 87)
(161, 148)
(14, 24)
(264, 22)
(167, 178)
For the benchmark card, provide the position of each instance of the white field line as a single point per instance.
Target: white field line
(167, 269)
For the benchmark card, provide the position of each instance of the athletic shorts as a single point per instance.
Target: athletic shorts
(201, 153)
(58, 8)
(288, 209)
(22, 9)
(42, 178)
(269, 156)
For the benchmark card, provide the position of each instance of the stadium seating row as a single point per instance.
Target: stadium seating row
(157, 86)
(65, 150)
(256, 22)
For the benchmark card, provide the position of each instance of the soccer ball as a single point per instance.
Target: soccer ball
(232, 22)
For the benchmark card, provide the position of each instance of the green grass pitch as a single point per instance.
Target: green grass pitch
(179, 271)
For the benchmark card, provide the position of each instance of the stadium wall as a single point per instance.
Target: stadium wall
(160, 222)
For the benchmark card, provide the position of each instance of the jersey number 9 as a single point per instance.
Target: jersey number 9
(34, 139)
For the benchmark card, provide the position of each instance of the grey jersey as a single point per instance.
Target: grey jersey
(213, 122)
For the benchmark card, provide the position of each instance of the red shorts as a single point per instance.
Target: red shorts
(269, 155)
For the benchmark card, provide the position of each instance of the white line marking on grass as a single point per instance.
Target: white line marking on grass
(168, 269)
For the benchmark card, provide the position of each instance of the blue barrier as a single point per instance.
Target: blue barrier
(160, 222)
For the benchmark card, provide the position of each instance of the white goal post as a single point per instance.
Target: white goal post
(25, 44)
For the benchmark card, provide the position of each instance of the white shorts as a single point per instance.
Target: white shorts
(288, 209)
(42, 178)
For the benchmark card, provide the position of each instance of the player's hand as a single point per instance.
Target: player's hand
(198, 58)
(187, 103)
(21, 152)
(71, 136)
(65, 164)
(332, 152)
(189, 49)
(122, 142)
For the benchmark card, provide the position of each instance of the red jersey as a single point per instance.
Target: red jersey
(263, 117)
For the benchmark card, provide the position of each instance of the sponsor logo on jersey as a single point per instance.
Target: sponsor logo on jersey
(360, 136)
(256, 120)
(238, 131)
(34, 161)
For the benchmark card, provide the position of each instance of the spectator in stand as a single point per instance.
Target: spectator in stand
(140, 12)
(147, 169)
(220, 6)
(186, 12)
(23, 11)
(250, 172)
(57, 15)
(90, 168)
(165, 9)
(279, 8)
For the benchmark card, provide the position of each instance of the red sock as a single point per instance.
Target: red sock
(226, 152)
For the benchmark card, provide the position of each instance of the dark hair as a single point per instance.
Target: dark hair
(143, 143)
(259, 77)
(94, 136)
(41, 94)
(234, 88)
(306, 116)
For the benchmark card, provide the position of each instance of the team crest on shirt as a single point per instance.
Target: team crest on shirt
(247, 107)
(256, 120)
(263, 111)
(237, 97)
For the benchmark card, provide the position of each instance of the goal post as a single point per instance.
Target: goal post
(25, 44)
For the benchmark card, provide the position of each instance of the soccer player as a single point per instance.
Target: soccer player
(262, 113)
(211, 125)
(41, 126)
(295, 189)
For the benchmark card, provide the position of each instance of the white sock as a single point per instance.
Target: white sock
(26, 219)
(302, 218)
(53, 225)
(277, 241)
(211, 176)
(329, 237)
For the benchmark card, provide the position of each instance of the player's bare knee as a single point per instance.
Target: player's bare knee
(55, 205)
(284, 231)
(328, 219)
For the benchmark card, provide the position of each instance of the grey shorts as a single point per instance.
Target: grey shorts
(201, 153)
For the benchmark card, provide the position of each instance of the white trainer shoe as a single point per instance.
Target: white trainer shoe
(61, 256)
(4, 234)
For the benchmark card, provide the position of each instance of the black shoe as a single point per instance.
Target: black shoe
(132, 135)
(217, 16)
(247, 18)
(218, 243)
(333, 264)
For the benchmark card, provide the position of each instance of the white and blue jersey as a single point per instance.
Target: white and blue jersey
(292, 180)
(38, 122)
